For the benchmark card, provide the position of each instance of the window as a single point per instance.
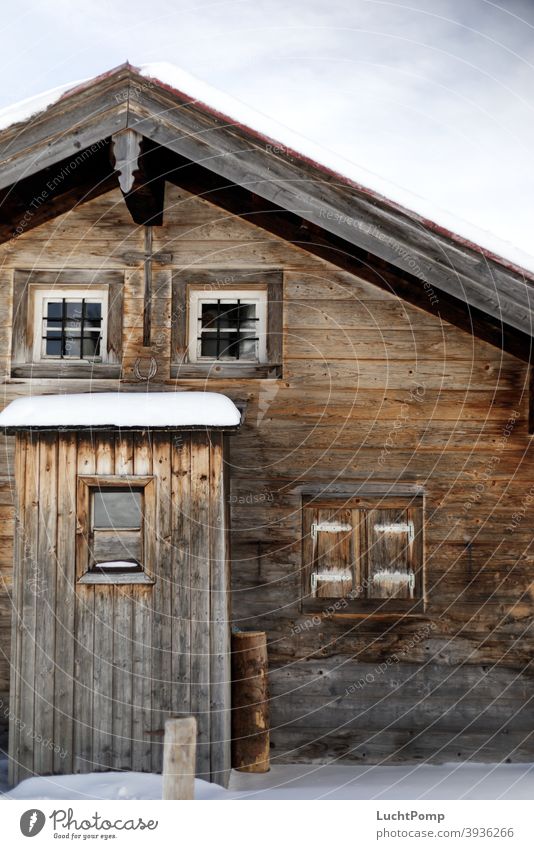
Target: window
(116, 529)
(114, 515)
(227, 324)
(70, 325)
(366, 551)
(67, 323)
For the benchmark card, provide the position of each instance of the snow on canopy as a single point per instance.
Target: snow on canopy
(122, 409)
(234, 111)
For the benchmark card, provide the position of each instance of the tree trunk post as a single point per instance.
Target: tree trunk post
(250, 702)
(179, 756)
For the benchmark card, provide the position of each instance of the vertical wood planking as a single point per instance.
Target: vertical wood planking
(16, 613)
(122, 677)
(84, 642)
(220, 731)
(103, 638)
(65, 603)
(200, 599)
(143, 723)
(141, 682)
(140, 743)
(25, 757)
(162, 593)
(45, 625)
(122, 627)
(181, 587)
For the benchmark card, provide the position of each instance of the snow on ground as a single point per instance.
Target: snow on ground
(420, 781)
(122, 409)
(235, 111)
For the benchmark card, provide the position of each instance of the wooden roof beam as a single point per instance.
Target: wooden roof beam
(41, 197)
(345, 255)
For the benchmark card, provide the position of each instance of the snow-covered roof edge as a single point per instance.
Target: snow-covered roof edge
(232, 111)
(125, 410)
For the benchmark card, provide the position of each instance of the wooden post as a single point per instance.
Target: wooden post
(179, 756)
(250, 702)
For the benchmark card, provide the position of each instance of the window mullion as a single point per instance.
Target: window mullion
(82, 328)
(63, 318)
(238, 350)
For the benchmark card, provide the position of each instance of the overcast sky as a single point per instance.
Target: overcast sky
(434, 95)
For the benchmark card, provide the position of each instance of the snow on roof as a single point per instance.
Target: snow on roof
(122, 409)
(31, 106)
(234, 111)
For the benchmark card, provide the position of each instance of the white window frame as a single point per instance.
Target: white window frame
(41, 298)
(197, 297)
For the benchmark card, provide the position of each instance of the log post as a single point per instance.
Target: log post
(250, 702)
(179, 756)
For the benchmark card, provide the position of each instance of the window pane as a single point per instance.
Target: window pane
(209, 315)
(229, 345)
(91, 345)
(209, 346)
(71, 346)
(53, 347)
(117, 508)
(73, 315)
(73, 309)
(247, 317)
(247, 348)
(229, 316)
(54, 309)
(93, 312)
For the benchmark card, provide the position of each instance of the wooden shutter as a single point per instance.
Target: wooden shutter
(329, 552)
(391, 553)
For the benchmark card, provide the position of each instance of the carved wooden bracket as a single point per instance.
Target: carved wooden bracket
(142, 183)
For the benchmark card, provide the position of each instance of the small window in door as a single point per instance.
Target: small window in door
(116, 528)
(366, 552)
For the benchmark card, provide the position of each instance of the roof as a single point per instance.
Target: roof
(219, 134)
(233, 111)
(125, 410)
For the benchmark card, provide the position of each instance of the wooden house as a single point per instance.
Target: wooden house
(373, 512)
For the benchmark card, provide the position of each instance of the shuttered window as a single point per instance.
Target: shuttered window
(364, 551)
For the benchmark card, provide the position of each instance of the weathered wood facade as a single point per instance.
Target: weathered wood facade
(381, 387)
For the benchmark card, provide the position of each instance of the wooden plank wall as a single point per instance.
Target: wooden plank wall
(373, 389)
(94, 666)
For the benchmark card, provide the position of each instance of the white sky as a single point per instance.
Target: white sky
(434, 95)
